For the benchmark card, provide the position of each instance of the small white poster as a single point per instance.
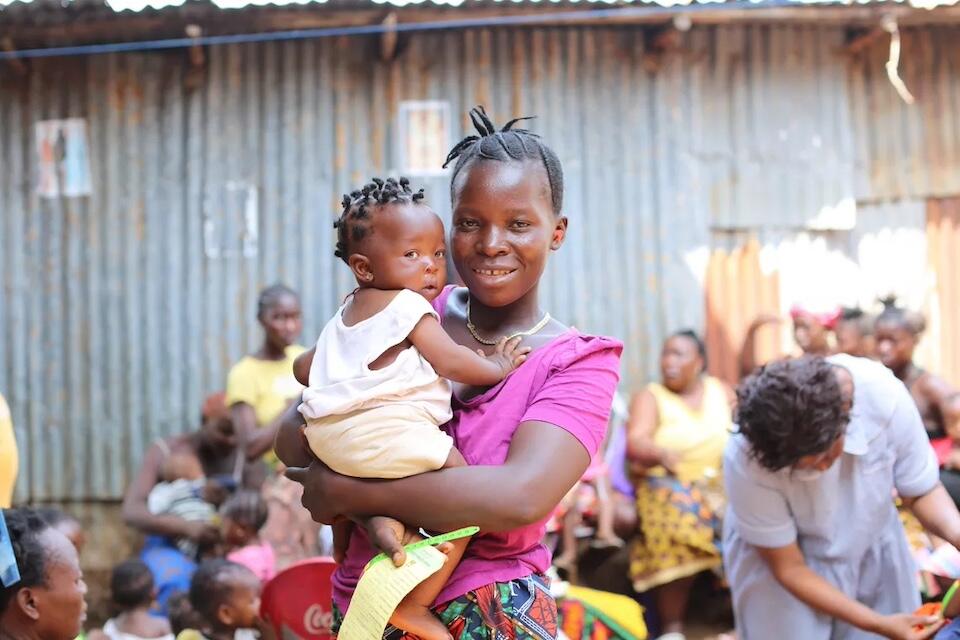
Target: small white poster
(64, 161)
(424, 136)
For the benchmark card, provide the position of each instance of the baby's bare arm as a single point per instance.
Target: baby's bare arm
(460, 364)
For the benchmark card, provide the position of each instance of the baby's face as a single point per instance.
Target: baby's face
(407, 250)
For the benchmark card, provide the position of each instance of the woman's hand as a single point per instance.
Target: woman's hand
(669, 460)
(906, 626)
(323, 491)
(390, 536)
(203, 533)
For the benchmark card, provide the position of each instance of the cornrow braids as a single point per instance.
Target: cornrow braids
(353, 225)
(506, 145)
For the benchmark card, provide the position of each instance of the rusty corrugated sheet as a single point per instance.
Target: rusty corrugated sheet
(943, 235)
(121, 310)
(908, 151)
(737, 292)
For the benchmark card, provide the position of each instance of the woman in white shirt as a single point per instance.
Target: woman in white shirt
(813, 547)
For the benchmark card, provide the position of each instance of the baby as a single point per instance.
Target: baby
(377, 394)
(185, 493)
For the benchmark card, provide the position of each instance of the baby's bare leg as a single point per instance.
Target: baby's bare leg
(413, 613)
(342, 530)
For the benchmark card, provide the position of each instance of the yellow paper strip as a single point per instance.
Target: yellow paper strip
(380, 590)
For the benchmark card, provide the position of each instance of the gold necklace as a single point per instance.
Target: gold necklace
(519, 334)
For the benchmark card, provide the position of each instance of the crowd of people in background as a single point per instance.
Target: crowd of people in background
(793, 509)
(677, 432)
(214, 511)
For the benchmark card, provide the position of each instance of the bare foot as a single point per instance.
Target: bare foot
(606, 541)
(420, 622)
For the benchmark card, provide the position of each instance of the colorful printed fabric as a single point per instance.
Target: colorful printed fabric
(586, 614)
(680, 529)
(521, 609)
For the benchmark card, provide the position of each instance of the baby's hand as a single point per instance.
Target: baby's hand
(508, 354)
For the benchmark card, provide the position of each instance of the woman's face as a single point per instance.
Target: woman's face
(503, 229)
(282, 321)
(821, 461)
(680, 363)
(810, 335)
(218, 435)
(851, 339)
(59, 604)
(895, 345)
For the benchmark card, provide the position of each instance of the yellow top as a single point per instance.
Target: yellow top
(266, 385)
(697, 436)
(9, 461)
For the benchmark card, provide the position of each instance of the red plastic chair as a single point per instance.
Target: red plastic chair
(298, 602)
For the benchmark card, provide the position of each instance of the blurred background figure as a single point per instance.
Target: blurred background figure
(677, 433)
(854, 333)
(898, 331)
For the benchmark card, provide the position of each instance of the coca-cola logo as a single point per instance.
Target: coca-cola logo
(317, 621)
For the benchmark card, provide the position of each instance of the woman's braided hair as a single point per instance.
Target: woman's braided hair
(353, 225)
(506, 145)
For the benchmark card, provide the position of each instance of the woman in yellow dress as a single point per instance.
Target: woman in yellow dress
(261, 385)
(9, 461)
(677, 433)
(259, 388)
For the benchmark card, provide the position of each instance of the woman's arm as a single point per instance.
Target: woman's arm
(543, 463)
(946, 398)
(937, 513)
(255, 440)
(136, 514)
(748, 353)
(789, 568)
(641, 427)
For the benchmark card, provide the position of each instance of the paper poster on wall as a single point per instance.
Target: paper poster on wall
(63, 153)
(424, 136)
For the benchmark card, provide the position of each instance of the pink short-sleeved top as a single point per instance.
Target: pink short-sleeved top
(568, 383)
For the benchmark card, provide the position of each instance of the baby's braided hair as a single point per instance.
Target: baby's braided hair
(506, 145)
(353, 225)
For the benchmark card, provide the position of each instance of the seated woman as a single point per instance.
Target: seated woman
(677, 432)
(897, 333)
(812, 546)
(41, 584)
(215, 445)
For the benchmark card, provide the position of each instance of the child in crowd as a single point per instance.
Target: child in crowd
(181, 614)
(65, 524)
(376, 394)
(224, 604)
(132, 592)
(242, 517)
(185, 493)
(591, 497)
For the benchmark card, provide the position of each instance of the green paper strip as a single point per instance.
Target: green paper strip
(951, 592)
(434, 541)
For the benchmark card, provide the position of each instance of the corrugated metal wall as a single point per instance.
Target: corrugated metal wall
(943, 318)
(906, 151)
(121, 310)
